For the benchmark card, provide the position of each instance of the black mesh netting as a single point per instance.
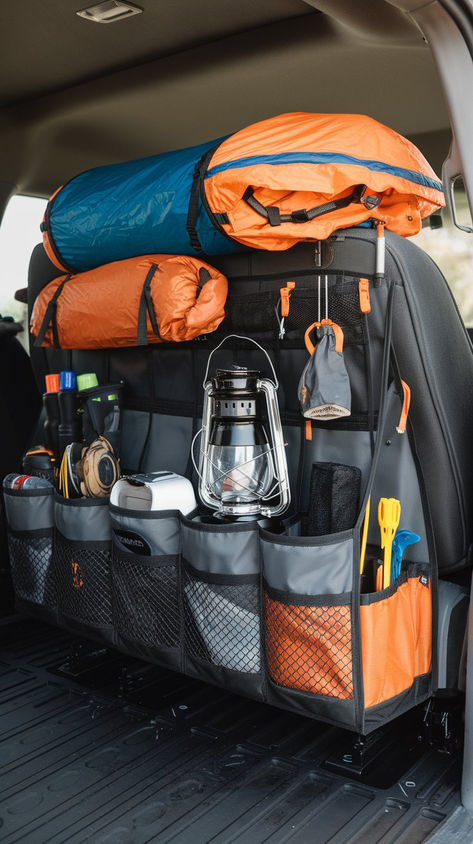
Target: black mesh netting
(309, 648)
(31, 568)
(222, 623)
(257, 312)
(146, 602)
(83, 581)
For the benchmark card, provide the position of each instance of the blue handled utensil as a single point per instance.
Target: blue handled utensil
(402, 539)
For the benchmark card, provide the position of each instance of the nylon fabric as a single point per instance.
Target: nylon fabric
(229, 552)
(103, 308)
(290, 164)
(83, 519)
(305, 567)
(396, 640)
(160, 533)
(301, 160)
(124, 210)
(29, 512)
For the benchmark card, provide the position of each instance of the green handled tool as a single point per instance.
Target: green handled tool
(389, 515)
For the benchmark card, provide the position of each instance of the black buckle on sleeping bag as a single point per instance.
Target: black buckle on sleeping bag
(275, 218)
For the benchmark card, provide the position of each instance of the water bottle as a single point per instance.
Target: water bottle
(24, 482)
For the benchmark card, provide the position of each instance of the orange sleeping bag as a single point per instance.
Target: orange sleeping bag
(148, 299)
(301, 176)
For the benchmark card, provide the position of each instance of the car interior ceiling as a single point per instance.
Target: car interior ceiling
(183, 73)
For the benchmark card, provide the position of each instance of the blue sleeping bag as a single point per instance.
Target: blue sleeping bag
(135, 208)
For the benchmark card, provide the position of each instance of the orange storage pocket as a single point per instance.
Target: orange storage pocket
(396, 636)
(308, 646)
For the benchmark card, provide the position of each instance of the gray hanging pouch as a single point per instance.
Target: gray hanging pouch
(324, 387)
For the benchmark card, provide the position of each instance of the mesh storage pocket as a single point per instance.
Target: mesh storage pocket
(307, 613)
(146, 598)
(83, 580)
(30, 558)
(30, 519)
(221, 600)
(82, 565)
(145, 582)
(309, 644)
(222, 619)
(257, 312)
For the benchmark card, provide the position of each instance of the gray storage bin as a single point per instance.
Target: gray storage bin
(308, 617)
(145, 583)
(82, 566)
(30, 522)
(221, 596)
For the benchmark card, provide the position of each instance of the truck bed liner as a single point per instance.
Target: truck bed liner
(102, 748)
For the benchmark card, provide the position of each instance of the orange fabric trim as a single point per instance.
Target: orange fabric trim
(308, 430)
(285, 296)
(50, 252)
(401, 428)
(336, 330)
(364, 294)
(396, 641)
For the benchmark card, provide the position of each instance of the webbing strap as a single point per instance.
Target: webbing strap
(194, 202)
(193, 209)
(146, 307)
(275, 218)
(50, 317)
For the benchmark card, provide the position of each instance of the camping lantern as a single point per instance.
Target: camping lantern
(242, 466)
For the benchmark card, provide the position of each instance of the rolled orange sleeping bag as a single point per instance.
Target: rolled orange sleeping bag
(148, 299)
(301, 176)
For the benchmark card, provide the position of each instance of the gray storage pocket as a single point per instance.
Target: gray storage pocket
(145, 582)
(221, 602)
(82, 565)
(30, 521)
(308, 623)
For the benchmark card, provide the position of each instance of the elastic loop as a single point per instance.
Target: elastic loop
(336, 330)
(401, 428)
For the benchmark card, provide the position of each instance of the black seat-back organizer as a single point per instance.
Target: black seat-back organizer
(281, 618)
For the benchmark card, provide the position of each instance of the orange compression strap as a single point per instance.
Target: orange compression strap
(364, 294)
(285, 296)
(401, 428)
(336, 330)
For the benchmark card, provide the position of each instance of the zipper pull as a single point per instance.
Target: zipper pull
(285, 296)
(364, 294)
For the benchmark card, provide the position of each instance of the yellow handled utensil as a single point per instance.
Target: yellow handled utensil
(389, 515)
(364, 537)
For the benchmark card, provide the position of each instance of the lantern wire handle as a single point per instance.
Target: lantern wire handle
(250, 340)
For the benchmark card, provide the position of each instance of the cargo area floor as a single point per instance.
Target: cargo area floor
(98, 747)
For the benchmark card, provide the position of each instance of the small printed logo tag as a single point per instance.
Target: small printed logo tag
(77, 581)
(424, 580)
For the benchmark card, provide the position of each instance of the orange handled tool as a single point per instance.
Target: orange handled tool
(389, 515)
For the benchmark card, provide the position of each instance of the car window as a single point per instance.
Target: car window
(452, 251)
(19, 234)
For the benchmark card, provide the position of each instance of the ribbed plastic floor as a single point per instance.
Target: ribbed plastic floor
(125, 753)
